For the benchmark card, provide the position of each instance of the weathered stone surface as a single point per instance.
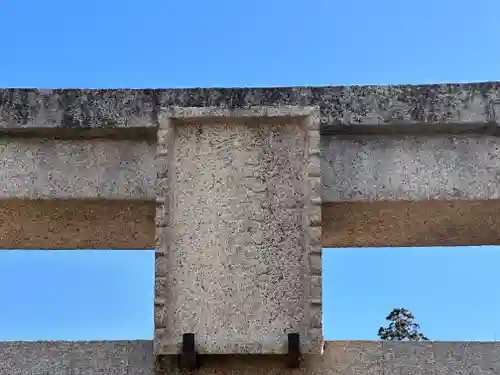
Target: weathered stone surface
(405, 223)
(416, 358)
(352, 169)
(55, 169)
(238, 237)
(410, 168)
(442, 107)
(344, 357)
(364, 105)
(64, 224)
(74, 109)
(77, 358)
(230, 273)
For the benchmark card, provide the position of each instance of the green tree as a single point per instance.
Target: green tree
(401, 327)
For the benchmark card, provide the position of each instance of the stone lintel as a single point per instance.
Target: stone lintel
(77, 169)
(410, 224)
(65, 224)
(78, 224)
(441, 108)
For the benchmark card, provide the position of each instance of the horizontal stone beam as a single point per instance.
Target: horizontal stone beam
(61, 224)
(442, 108)
(128, 224)
(372, 173)
(78, 357)
(57, 169)
(411, 168)
(352, 168)
(136, 357)
(405, 223)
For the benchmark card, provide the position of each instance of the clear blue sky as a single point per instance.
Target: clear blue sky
(155, 43)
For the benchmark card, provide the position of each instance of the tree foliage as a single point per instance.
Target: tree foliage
(401, 327)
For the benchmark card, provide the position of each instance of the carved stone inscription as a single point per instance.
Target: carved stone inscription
(237, 265)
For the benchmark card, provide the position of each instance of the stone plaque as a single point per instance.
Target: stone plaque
(238, 260)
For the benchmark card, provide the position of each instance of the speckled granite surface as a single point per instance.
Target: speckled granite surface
(456, 107)
(243, 222)
(412, 168)
(50, 169)
(77, 358)
(346, 358)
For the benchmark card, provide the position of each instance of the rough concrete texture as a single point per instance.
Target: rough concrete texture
(372, 168)
(236, 235)
(37, 168)
(76, 224)
(77, 358)
(349, 358)
(444, 107)
(410, 168)
(89, 224)
(405, 223)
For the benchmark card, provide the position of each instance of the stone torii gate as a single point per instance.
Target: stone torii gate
(238, 190)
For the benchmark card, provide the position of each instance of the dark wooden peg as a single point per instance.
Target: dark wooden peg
(293, 350)
(189, 358)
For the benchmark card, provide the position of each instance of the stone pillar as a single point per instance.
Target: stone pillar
(238, 242)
